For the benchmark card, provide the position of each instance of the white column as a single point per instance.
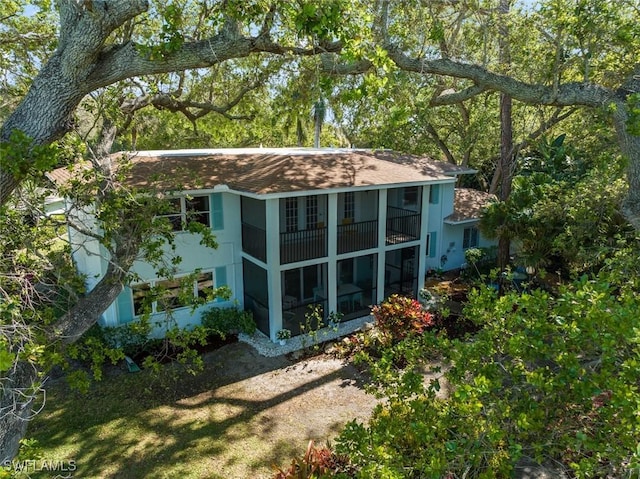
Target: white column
(332, 251)
(382, 238)
(424, 231)
(274, 284)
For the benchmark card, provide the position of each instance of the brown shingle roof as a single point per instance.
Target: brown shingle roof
(264, 171)
(468, 205)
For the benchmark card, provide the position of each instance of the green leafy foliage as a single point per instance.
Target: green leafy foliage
(225, 321)
(94, 350)
(318, 19)
(38, 281)
(314, 329)
(283, 334)
(182, 348)
(563, 209)
(555, 159)
(132, 338)
(21, 157)
(633, 123)
(7, 358)
(549, 377)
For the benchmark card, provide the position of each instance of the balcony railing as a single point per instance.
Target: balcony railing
(303, 245)
(254, 241)
(402, 225)
(357, 236)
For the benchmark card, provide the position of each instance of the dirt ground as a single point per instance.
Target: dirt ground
(290, 401)
(296, 400)
(236, 419)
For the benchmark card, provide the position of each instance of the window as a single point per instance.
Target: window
(291, 214)
(349, 205)
(159, 296)
(162, 295)
(197, 209)
(174, 213)
(470, 238)
(204, 285)
(185, 209)
(172, 295)
(141, 300)
(312, 212)
(434, 194)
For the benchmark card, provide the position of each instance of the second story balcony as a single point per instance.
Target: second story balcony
(357, 236)
(402, 225)
(303, 245)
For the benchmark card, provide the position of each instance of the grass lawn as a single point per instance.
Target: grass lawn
(234, 420)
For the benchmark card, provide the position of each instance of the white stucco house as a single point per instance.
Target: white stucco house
(342, 228)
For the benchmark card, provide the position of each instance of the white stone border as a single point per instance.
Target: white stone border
(265, 347)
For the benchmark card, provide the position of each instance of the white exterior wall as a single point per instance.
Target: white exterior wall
(438, 210)
(453, 237)
(448, 238)
(88, 254)
(194, 256)
(447, 192)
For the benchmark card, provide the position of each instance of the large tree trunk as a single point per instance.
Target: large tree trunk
(20, 389)
(18, 395)
(506, 167)
(507, 158)
(630, 146)
(86, 312)
(45, 114)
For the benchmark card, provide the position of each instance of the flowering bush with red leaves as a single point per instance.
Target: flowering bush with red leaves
(399, 316)
(317, 462)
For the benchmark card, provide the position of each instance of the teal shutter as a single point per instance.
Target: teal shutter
(221, 279)
(217, 212)
(124, 306)
(432, 244)
(434, 194)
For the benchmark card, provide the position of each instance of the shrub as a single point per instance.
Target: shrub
(553, 378)
(133, 338)
(283, 334)
(92, 351)
(317, 462)
(399, 316)
(224, 321)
